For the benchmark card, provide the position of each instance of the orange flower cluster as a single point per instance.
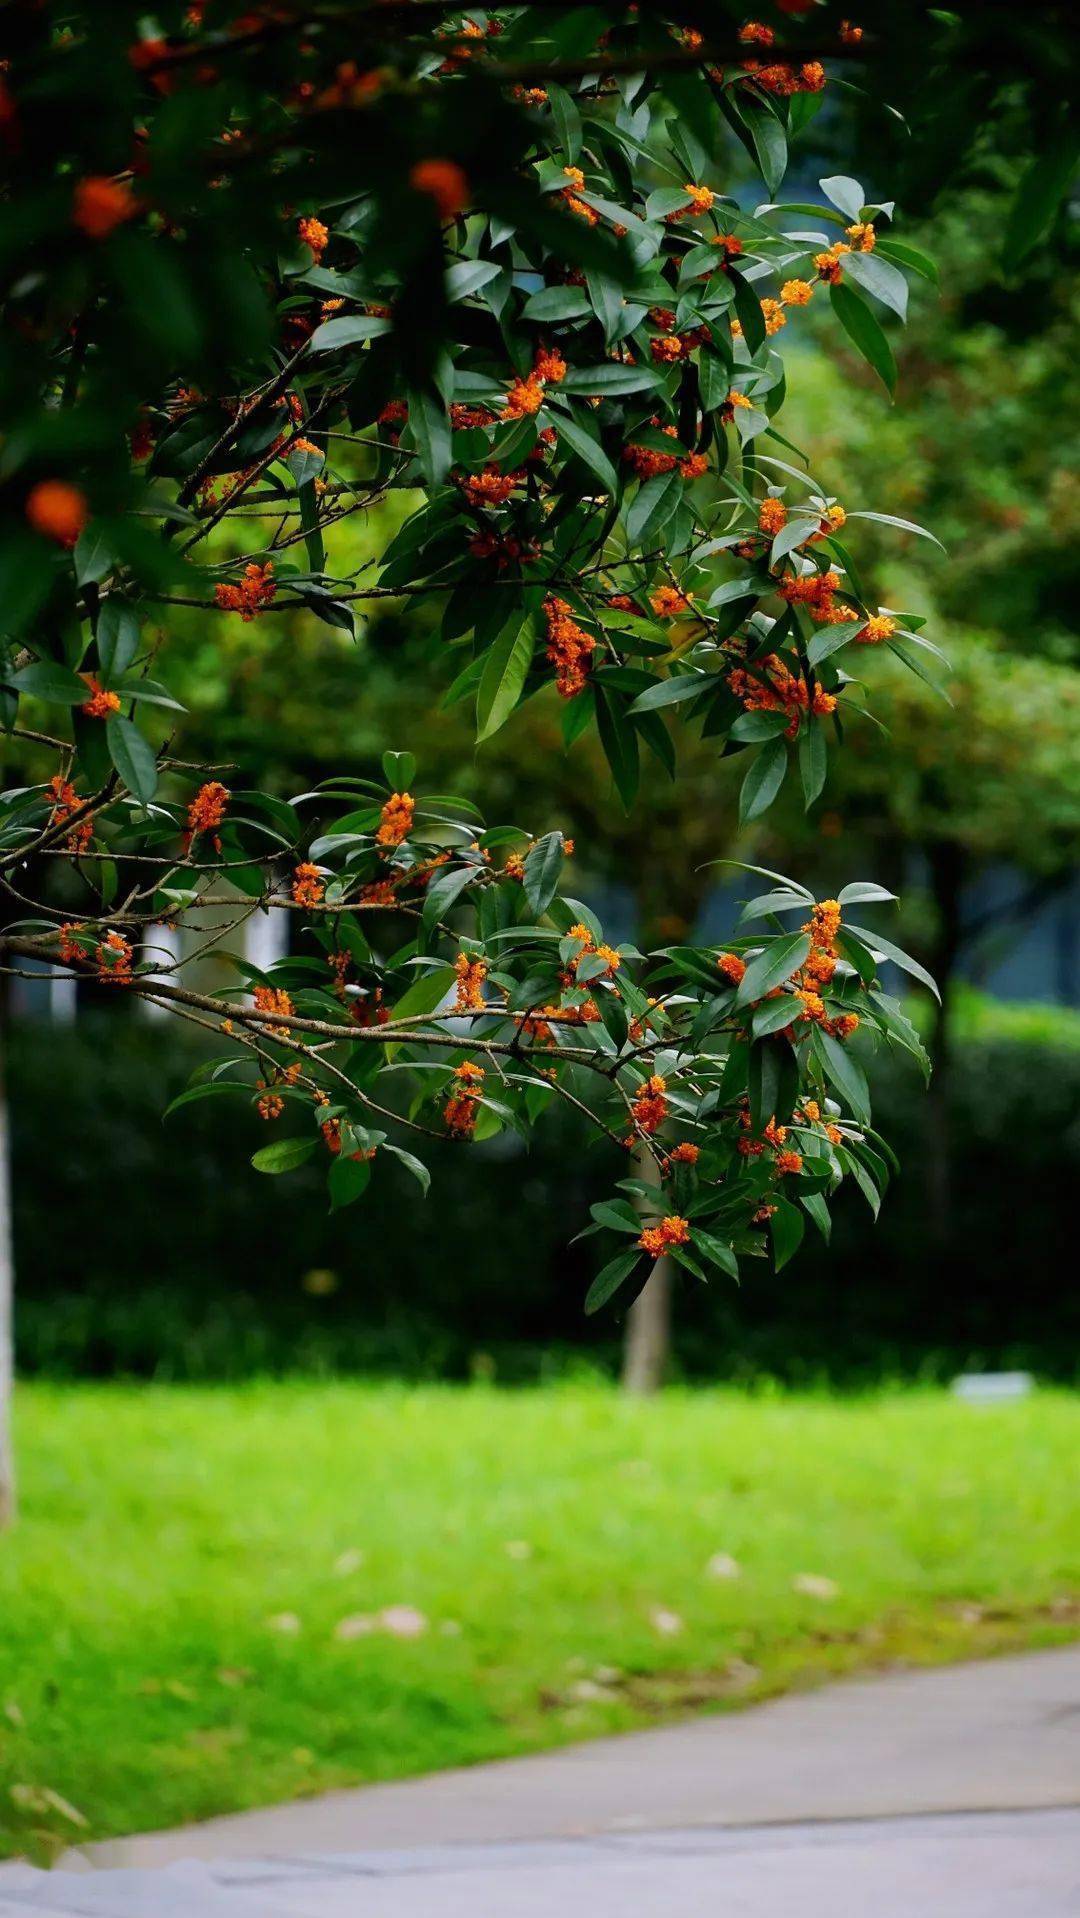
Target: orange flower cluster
(788, 1161)
(878, 627)
(685, 1153)
(732, 967)
(275, 1000)
(731, 244)
(773, 1135)
(114, 956)
(570, 195)
(537, 1025)
(314, 235)
(492, 487)
(100, 205)
(207, 810)
(699, 200)
(667, 602)
(69, 950)
(462, 1107)
(772, 516)
(734, 399)
(779, 691)
(780, 78)
(862, 236)
(526, 396)
(828, 264)
(255, 591)
(307, 885)
(569, 648)
(66, 802)
(100, 703)
(57, 511)
(815, 591)
(658, 1239)
(270, 1106)
(471, 973)
(796, 292)
(395, 820)
(649, 1108)
(462, 418)
(589, 947)
(818, 969)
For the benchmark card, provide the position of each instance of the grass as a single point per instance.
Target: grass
(170, 1597)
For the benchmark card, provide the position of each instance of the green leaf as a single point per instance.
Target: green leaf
(879, 278)
(283, 1155)
(94, 555)
(557, 303)
(133, 756)
(763, 780)
(670, 692)
(506, 668)
(910, 256)
(620, 744)
(444, 892)
(347, 1179)
(617, 1214)
(864, 330)
(786, 1229)
(543, 867)
(412, 1164)
(117, 635)
(206, 1091)
(588, 449)
(609, 378)
(429, 426)
(466, 277)
(608, 1281)
(770, 141)
(346, 330)
(845, 193)
(813, 760)
(828, 640)
(717, 1251)
(56, 684)
(748, 309)
(887, 950)
(399, 770)
(844, 1072)
(652, 506)
(781, 957)
(862, 891)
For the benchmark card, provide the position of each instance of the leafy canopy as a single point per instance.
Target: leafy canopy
(260, 271)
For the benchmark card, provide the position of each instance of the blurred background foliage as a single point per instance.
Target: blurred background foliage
(185, 1264)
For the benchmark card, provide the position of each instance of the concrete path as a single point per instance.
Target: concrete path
(952, 1793)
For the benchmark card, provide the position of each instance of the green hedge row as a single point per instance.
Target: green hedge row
(152, 1248)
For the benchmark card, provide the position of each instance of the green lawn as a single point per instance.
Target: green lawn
(170, 1597)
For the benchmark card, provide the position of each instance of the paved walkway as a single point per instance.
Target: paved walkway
(951, 1793)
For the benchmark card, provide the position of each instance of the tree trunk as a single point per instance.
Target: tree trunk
(647, 1341)
(669, 902)
(7, 1289)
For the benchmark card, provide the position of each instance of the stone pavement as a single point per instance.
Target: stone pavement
(952, 1793)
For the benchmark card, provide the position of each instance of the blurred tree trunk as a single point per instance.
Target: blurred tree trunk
(669, 898)
(948, 870)
(7, 1289)
(647, 1341)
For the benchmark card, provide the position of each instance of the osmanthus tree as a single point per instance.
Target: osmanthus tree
(262, 269)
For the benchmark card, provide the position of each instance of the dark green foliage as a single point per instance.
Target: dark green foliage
(180, 1262)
